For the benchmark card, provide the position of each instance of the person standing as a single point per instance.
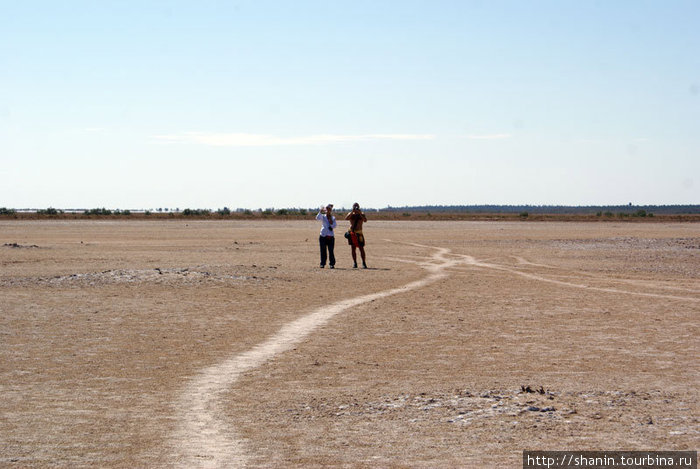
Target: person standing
(357, 239)
(326, 240)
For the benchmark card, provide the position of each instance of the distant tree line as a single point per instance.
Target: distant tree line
(551, 209)
(524, 211)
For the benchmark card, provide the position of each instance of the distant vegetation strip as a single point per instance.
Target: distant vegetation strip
(431, 212)
(551, 209)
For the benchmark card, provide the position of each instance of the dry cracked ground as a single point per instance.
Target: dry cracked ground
(533, 336)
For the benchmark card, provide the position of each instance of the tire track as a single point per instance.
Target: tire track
(202, 438)
(638, 283)
(473, 262)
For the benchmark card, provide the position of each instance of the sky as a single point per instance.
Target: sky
(280, 104)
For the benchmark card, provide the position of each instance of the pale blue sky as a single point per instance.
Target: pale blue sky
(144, 104)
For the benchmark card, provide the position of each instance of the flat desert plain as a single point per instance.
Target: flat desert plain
(223, 344)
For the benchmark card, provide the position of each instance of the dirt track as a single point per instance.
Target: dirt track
(105, 328)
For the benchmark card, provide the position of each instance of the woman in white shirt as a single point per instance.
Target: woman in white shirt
(327, 239)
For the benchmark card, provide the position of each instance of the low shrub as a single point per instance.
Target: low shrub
(198, 212)
(49, 211)
(98, 211)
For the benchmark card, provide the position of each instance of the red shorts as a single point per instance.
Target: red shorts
(356, 239)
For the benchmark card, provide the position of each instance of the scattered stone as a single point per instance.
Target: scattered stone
(20, 246)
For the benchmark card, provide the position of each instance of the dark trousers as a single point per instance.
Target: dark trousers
(327, 242)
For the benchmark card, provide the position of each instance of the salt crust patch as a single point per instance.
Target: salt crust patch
(127, 276)
(464, 407)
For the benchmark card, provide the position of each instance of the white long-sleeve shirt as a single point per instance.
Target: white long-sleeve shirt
(326, 226)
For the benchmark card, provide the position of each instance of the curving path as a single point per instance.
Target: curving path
(202, 439)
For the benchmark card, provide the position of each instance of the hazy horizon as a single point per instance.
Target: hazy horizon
(479, 207)
(279, 104)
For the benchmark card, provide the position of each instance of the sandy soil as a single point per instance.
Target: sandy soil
(217, 343)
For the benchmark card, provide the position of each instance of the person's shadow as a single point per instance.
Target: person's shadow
(360, 268)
